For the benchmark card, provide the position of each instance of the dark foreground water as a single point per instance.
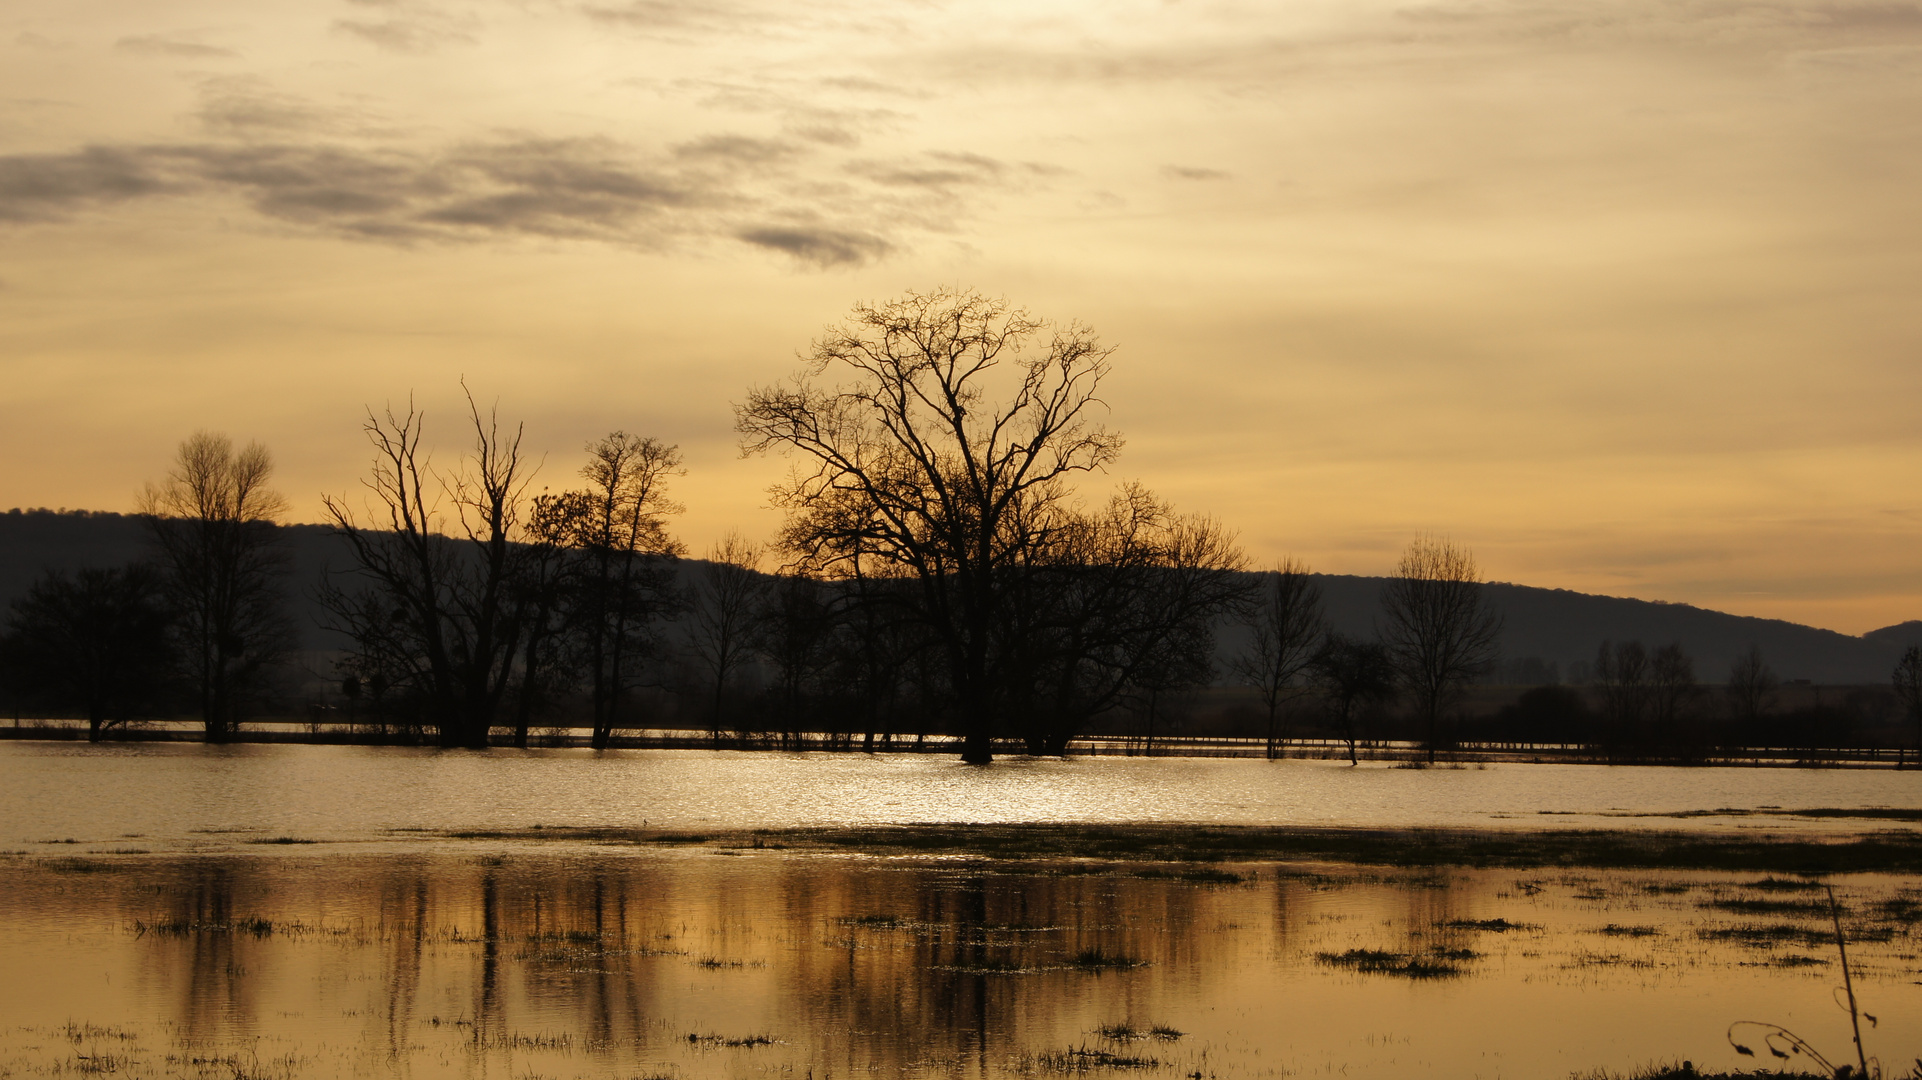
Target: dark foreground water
(150, 928)
(189, 796)
(696, 963)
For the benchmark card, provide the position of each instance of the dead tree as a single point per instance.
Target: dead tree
(945, 447)
(439, 611)
(213, 519)
(1285, 626)
(1751, 685)
(726, 604)
(1437, 627)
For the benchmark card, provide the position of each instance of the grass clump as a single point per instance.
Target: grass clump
(1130, 1033)
(1493, 926)
(747, 1042)
(1634, 931)
(1687, 1071)
(1439, 964)
(1099, 959)
(1087, 1059)
(1749, 905)
(1200, 876)
(876, 922)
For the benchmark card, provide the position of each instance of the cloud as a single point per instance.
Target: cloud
(27, 39)
(403, 35)
(408, 27)
(738, 149)
(817, 246)
(1189, 172)
(703, 16)
(45, 187)
(248, 107)
(935, 170)
(156, 45)
(720, 187)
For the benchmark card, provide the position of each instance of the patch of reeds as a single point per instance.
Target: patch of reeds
(876, 922)
(1100, 959)
(1493, 926)
(746, 1042)
(1631, 930)
(1437, 964)
(1203, 876)
(1130, 1033)
(252, 926)
(1087, 1059)
(1750, 905)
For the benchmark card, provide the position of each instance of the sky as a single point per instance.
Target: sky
(1621, 296)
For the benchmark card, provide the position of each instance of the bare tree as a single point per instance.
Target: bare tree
(1286, 627)
(1437, 627)
(1908, 688)
(1623, 673)
(795, 632)
(1671, 687)
(1353, 675)
(727, 596)
(212, 518)
(946, 452)
(1751, 685)
(439, 617)
(1113, 604)
(623, 583)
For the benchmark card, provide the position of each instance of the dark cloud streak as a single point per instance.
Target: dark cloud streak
(730, 186)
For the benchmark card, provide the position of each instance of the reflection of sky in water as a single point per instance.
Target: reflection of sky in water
(560, 966)
(174, 793)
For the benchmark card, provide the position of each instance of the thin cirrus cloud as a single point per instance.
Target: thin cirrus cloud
(162, 45)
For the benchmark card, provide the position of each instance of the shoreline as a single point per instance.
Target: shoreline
(1087, 848)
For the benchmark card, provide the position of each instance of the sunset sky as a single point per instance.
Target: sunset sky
(1623, 296)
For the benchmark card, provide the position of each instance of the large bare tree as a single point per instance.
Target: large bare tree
(1286, 627)
(622, 581)
(937, 432)
(727, 596)
(438, 615)
(1437, 626)
(212, 517)
(1751, 684)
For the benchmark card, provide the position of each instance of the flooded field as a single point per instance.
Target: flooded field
(187, 796)
(281, 912)
(718, 962)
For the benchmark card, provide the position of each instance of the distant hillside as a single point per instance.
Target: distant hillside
(1565, 628)
(1553, 626)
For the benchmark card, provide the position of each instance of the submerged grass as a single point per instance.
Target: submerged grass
(1493, 926)
(1085, 847)
(1438, 964)
(1099, 959)
(1087, 1059)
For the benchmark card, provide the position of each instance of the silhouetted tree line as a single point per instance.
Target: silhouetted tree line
(937, 572)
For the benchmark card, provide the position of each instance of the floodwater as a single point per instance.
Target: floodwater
(705, 963)
(146, 930)
(188, 796)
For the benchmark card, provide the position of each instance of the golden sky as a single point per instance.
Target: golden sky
(1621, 295)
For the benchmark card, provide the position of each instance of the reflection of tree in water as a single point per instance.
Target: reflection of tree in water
(880, 966)
(204, 957)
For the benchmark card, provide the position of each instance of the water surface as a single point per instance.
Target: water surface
(191, 796)
(702, 964)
